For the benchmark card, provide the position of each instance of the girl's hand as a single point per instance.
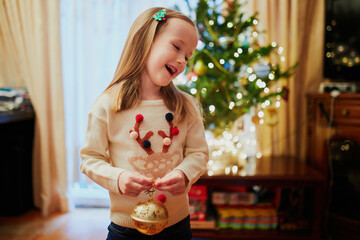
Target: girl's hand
(132, 183)
(174, 182)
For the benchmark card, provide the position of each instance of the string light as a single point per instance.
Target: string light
(252, 129)
(271, 76)
(252, 77)
(231, 105)
(194, 78)
(193, 91)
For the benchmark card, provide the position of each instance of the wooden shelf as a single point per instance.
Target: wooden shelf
(250, 234)
(270, 172)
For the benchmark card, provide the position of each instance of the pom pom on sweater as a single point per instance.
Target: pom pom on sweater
(175, 131)
(139, 118)
(169, 117)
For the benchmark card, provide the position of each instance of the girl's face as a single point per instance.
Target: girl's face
(169, 52)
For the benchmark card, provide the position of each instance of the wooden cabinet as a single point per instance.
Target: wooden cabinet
(329, 119)
(271, 172)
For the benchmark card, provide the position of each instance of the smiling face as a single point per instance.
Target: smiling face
(169, 52)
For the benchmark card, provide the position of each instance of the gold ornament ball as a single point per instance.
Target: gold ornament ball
(200, 67)
(244, 81)
(150, 217)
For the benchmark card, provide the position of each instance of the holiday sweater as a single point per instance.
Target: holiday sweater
(144, 139)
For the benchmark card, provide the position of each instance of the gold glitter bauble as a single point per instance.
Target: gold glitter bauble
(150, 217)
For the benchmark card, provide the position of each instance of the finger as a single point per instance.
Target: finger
(145, 181)
(165, 182)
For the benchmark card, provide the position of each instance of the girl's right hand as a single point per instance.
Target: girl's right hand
(132, 183)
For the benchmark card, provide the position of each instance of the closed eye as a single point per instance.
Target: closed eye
(178, 48)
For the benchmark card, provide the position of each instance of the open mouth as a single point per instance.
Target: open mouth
(172, 70)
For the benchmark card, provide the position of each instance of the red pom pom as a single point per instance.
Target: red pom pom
(175, 131)
(139, 118)
(161, 198)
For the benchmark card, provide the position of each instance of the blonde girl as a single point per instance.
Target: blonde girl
(142, 129)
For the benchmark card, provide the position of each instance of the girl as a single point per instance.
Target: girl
(142, 128)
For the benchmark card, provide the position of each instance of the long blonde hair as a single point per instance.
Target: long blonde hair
(126, 84)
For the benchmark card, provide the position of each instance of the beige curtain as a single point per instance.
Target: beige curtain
(297, 26)
(30, 56)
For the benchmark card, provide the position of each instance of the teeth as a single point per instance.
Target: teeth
(172, 70)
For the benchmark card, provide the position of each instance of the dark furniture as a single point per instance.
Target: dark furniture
(16, 143)
(333, 137)
(275, 172)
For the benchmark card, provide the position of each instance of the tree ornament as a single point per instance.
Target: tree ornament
(272, 119)
(200, 67)
(191, 76)
(244, 81)
(255, 119)
(150, 217)
(261, 69)
(225, 42)
(285, 96)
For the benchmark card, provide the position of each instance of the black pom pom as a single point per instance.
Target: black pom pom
(146, 144)
(169, 117)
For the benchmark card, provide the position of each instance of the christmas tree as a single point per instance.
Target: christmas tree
(230, 72)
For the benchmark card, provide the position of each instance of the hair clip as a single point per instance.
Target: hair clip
(160, 15)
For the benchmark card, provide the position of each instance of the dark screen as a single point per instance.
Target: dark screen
(342, 40)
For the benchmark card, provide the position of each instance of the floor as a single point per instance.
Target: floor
(89, 223)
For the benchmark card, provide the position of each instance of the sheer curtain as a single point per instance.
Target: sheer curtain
(92, 37)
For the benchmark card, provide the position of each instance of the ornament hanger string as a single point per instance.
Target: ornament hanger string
(151, 191)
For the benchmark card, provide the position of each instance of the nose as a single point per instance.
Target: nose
(181, 59)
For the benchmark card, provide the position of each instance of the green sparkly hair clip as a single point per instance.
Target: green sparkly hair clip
(160, 15)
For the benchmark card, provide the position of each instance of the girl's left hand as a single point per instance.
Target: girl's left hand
(175, 182)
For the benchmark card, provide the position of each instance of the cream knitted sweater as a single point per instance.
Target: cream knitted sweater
(112, 146)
